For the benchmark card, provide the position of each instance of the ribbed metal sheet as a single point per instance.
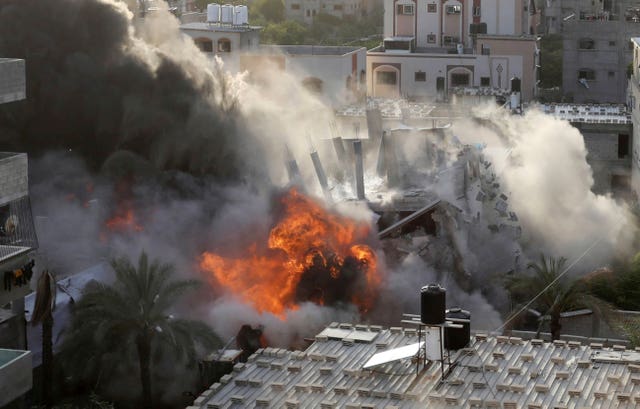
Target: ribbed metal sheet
(493, 372)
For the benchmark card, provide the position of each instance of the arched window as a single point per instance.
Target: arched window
(204, 44)
(224, 45)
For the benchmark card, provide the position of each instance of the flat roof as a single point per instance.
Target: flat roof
(589, 113)
(311, 49)
(492, 371)
(218, 27)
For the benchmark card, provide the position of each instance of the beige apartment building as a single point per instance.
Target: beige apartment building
(431, 47)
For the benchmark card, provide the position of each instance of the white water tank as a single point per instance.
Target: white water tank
(226, 14)
(460, 49)
(242, 15)
(514, 100)
(213, 13)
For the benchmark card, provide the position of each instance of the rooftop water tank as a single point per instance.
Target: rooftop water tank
(457, 338)
(460, 48)
(242, 15)
(432, 304)
(213, 13)
(226, 14)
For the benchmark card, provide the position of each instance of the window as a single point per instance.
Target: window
(308, 13)
(449, 40)
(313, 84)
(337, 6)
(456, 9)
(204, 44)
(420, 76)
(612, 43)
(224, 45)
(431, 38)
(623, 145)
(432, 8)
(485, 50)
(485, 81)
(406, 9)
(611, 74)
(313, 12)
(295, 7)
(476, 11)
(587, 74)
(386, 77)
(459, 80)
(586, 44)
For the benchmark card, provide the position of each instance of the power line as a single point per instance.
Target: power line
(528, 304)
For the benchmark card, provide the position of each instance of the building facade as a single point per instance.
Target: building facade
(335, 74)
(226, 42)
(305, 11)
(432, 46)
(634, 107)
(596, 48)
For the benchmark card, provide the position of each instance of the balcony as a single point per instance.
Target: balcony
(12, 80)
(15, 373)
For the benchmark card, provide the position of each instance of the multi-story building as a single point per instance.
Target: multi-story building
(17, 242)
(634, 106)
(596, 49)
(432, 46)
(306, 10)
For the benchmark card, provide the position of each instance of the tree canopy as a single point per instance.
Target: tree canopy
(132, 321)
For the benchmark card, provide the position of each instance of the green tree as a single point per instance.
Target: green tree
(620, 287)
(131, 319)
(551, 61)
(554, 293)
(286, 33)
(271, 10)
(43, 314)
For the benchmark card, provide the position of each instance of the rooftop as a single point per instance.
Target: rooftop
(219, 27)
(492, 372)
(590, 113)
(310, 49)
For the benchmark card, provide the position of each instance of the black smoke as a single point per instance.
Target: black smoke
(92, 90)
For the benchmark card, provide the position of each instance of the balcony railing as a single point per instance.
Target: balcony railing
(15, 373)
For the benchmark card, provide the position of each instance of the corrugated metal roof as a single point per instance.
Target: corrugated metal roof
(501, 372)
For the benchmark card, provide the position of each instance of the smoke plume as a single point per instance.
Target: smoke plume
(96, 85)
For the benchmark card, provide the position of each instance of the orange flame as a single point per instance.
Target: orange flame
(307, 237)
(124, 220)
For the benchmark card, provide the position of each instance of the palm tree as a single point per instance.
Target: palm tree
(131, 318)
(43, 314)
(555, 292)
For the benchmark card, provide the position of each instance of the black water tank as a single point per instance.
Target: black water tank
(432, 304)
(457, 338)
(515, 84)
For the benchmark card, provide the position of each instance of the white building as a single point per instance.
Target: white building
(225, 41)
(335, 73)
(430, 47)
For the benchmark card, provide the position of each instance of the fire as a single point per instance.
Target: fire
(311, 255)
(124, 220)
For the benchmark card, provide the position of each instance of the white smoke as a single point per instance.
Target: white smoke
(542, 164)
